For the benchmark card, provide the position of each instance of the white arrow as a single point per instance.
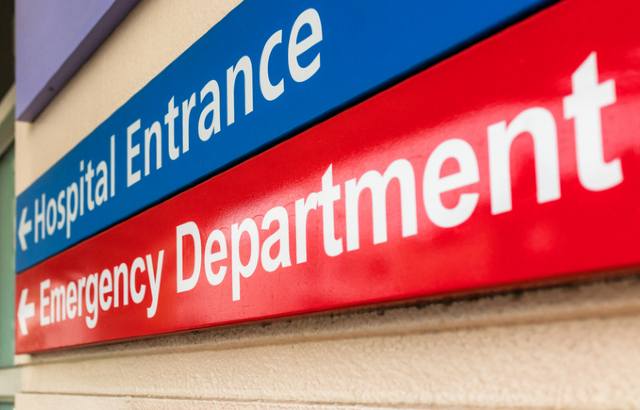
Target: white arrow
(24, 229)
(25, 311)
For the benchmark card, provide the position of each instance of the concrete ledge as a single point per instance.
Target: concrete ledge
(9, 383)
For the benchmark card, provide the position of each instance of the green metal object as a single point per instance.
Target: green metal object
(7, 270)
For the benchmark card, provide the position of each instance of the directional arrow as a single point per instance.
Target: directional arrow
(24, 229)
(25, 311)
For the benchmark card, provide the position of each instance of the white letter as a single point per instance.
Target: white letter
(51, 210)
(44, 301)
(71, 215)
(302, 210)
(189, 228)
(281, 235)
(92, 305)
(169, 120)
(213, 107)
(88, 177)
(540, 124)
(154, 283)
(113, 166)
(377, 184)
(433, 185)
(61, 210)
(81, 284)
(81, 200)
(138, 264)
(237, 268)
(58, 304)
(329, 194)
(310, 17)
(106, 286)
(155, 130)
(101, 187)
(209, 258)
(270, 91)
(244, 65)
(118, 271)
(72, 297)
(132, 151)
(584, 106)
(39, 218)
(187, 106)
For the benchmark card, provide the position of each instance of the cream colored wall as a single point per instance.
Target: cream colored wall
(151, 37)
(564, 347)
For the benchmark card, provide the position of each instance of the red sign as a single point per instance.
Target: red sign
(514, 162)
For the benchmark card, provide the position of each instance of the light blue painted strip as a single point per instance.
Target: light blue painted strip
(53, 40)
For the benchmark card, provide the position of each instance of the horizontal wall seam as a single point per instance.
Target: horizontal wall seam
(315, 404)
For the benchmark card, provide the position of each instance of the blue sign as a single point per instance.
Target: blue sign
(265, 72)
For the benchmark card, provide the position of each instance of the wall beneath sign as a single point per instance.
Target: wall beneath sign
(562, 347)
(569, 347)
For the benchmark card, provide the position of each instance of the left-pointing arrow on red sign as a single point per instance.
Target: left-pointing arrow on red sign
(25, 311)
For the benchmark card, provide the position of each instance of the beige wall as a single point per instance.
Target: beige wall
(151, 37)
(564, 347)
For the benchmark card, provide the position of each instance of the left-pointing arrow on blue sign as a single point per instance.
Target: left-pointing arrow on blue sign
(24, 228)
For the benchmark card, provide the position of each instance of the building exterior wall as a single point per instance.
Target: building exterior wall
(151, 37)
(571, 346)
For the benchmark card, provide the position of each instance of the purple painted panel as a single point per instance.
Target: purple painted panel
(53, 39)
